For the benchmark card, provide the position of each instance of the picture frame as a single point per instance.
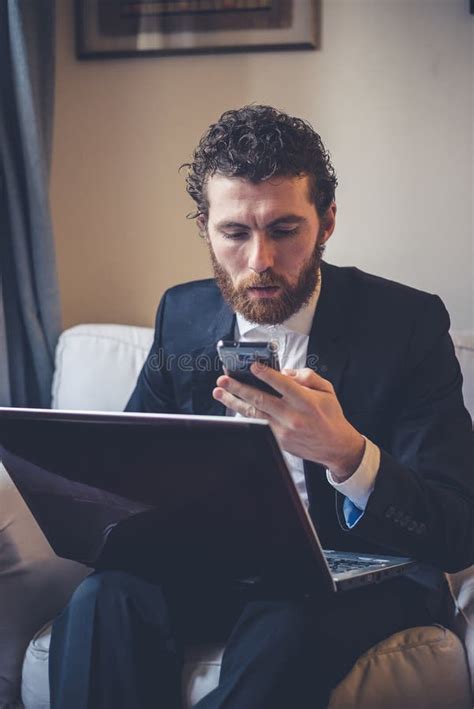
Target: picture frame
(107, 29)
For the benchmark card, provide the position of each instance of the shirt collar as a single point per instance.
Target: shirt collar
(300, 322)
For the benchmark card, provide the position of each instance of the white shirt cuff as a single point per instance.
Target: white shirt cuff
(360, 485)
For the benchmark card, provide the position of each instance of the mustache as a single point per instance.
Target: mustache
(267, 279)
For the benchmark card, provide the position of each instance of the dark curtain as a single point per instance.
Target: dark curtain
(30, 319)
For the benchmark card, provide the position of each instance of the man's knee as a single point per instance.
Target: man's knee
(103, 585)
(292, 619)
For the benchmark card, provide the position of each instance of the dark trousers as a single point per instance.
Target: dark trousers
(119, 643)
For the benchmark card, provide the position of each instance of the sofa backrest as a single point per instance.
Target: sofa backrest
(97, 366)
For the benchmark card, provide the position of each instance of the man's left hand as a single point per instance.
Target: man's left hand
(308, 419)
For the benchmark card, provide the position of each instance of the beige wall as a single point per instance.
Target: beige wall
(390, 91)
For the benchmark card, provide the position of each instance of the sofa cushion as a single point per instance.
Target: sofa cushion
(200, 673)
(97, 366)
(464, 344)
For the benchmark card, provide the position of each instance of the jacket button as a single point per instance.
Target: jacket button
(390, 512)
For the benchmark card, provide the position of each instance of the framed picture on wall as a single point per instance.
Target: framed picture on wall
(133, 28)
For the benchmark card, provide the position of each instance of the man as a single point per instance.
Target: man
(375, 434)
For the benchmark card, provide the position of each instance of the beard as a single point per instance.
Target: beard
(276, 309)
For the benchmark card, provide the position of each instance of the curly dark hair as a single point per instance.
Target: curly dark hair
(256, 143)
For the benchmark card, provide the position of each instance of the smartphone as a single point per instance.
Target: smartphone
(236, 358)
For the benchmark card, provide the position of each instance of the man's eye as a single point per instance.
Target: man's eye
(280, 233)
(234, 235)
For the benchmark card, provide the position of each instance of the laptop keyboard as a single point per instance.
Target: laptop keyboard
(339, 566)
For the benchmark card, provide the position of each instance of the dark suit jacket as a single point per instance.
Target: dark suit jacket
(386, 349)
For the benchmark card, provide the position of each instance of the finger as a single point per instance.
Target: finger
(238, 405)
(307, 377)
(261, 401)
(288, 385)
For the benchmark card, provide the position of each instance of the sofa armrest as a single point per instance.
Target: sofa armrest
(419, 667)
(35, 585)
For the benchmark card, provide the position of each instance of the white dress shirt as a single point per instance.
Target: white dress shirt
(293, 337)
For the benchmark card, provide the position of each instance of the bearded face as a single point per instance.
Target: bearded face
(274, 309)
(266, 242)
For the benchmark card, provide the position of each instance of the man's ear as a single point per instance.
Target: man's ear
(329, 223)
(201, 221)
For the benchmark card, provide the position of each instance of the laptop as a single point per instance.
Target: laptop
(159, 494)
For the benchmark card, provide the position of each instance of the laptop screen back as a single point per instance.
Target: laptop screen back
(162, 494)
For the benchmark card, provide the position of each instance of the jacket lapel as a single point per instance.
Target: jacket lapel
(328, 349)
(207, 366)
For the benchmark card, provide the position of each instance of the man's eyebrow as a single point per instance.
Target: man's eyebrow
(286, 219)
(229, 225)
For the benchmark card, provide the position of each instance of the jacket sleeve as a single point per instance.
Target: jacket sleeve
(422, 504)
(153, 392)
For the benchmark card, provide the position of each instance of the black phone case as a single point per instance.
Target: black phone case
(237, 357)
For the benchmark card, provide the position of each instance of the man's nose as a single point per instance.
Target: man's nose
(262, 254)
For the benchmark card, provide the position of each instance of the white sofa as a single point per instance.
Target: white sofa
(96, 367)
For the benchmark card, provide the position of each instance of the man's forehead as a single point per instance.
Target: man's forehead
(223, 190)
